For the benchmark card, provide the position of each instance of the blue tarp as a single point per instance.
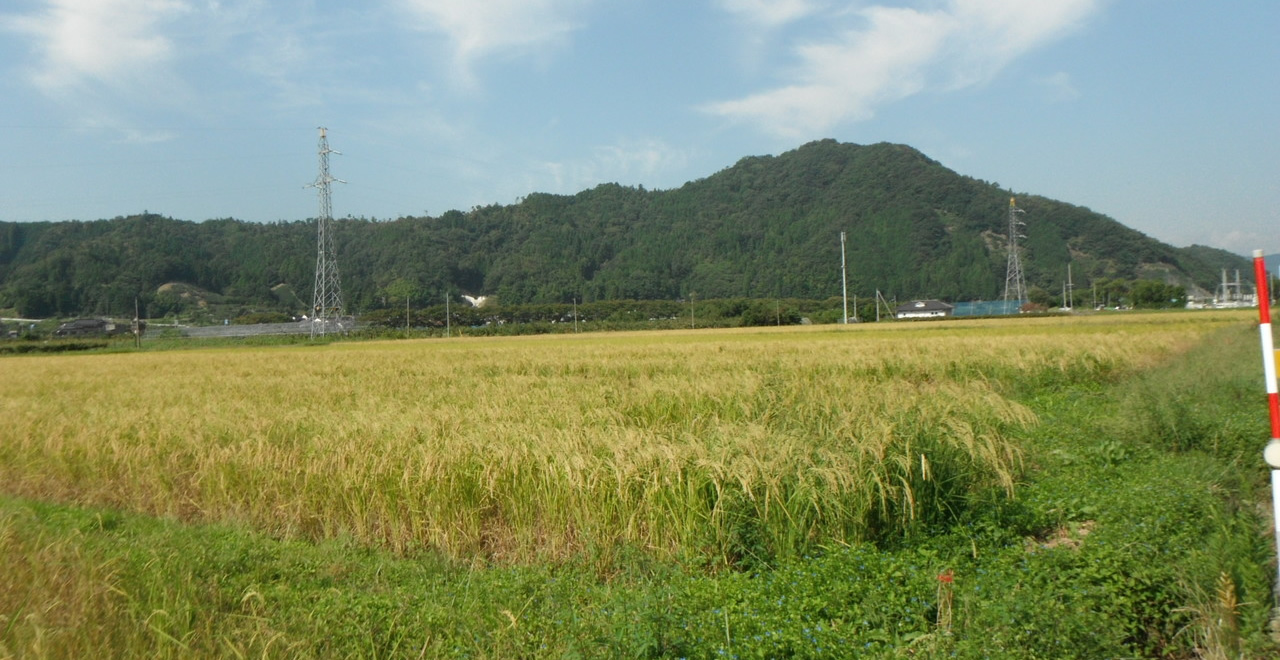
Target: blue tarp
(987, 308)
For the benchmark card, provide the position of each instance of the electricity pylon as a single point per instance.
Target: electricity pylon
(1015, 284)
(326, 303)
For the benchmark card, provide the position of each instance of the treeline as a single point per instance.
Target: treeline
(616, 314)
(723, 312)
(765, 228)
(1114, 292)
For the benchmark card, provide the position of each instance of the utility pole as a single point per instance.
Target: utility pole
(137, 325)
(326, 302)
(844, 281)
(1069, 291)
(1015, 284)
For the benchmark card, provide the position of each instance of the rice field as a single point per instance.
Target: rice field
(706, 447)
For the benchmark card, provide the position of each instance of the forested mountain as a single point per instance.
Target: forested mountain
(766, 227)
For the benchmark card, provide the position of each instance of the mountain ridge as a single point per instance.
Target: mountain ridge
(767, 226)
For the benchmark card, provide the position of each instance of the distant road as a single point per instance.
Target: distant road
(257, 329)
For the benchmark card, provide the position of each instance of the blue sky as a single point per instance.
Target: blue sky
(1159, 113)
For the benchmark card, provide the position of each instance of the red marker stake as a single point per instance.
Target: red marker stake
(1272, 453)
(1268, 347)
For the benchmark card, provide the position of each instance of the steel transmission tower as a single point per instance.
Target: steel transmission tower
(1015, 284)
(326, 304)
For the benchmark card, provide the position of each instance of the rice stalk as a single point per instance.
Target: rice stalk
(515, 449)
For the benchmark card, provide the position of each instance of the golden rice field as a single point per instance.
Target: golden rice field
(706, 445)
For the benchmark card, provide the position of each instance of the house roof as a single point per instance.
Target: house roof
(924, 306)
(80, 324)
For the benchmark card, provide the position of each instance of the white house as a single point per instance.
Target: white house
(923, 309)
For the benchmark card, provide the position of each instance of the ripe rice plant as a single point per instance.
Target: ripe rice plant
(716, 447)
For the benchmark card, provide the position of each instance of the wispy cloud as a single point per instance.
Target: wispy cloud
(113, 65)
(111, 42)
(478, 29)
(640, 159)
(129, 135)
(1235, 240)
(769, 13)
(885, 53)
(1058, 87)
(629, 162)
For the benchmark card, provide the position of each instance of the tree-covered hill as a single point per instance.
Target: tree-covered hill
(766, 227)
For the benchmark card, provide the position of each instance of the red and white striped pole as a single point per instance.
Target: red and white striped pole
(1272, 453)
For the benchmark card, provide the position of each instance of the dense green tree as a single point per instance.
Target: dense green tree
(1156, 294)
(1040, 297)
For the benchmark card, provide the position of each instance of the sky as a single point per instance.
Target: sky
(1161, 114)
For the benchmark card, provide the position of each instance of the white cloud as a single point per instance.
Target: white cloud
(640, 160)
(115, 42)
(629, 162)
(129, 135)
(986, 35)
(117, 64)
(769, 13)
(1241, 242)
(478, 28)
(890, 53)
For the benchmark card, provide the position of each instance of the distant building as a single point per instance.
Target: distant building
(923, 309)
(90, 328)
